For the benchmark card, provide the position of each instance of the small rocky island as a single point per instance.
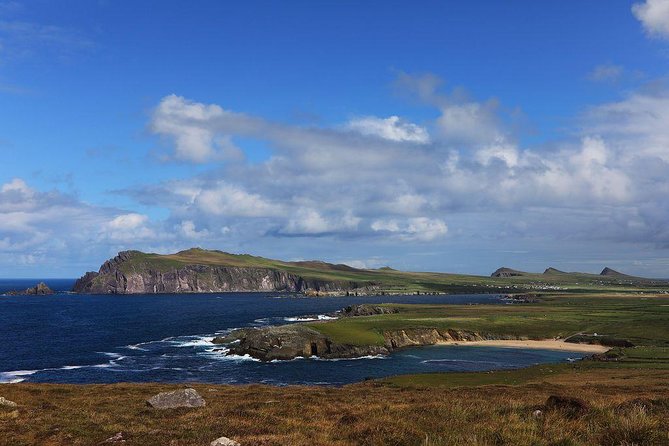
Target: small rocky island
(41, 289)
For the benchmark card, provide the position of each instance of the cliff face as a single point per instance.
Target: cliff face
(115, 277)
(291, 341)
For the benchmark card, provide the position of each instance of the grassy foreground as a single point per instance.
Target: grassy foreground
(361, 414)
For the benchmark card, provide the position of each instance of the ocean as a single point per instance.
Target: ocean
(68, 338)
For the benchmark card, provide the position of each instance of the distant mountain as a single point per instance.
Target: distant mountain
(551, 270)
(508, 272)
(612, 273)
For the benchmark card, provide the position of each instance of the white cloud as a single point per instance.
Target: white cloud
(654, 16)
(413, 229)
(188, 230)
(392, 128)
(311, 222)
(187, 122)
(229, 200)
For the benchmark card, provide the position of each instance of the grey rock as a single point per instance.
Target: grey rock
(6, 403)
(41, 289)
(177, 398)
(118, 437)
(224, 441)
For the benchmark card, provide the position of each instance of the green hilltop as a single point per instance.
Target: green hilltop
(389, 280)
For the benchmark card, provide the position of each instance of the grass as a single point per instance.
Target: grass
(392, 281)
(642, 320)
(361, 414)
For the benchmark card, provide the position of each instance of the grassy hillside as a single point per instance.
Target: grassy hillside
(641, 320)
(392, 281)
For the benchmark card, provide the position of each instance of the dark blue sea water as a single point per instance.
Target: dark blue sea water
(70, 338)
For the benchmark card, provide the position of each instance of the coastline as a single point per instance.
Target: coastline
(544, 344)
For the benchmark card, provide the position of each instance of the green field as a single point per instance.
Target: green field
(643, 320)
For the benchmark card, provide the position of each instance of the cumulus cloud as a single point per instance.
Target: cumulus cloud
(390, 184)
(311, 222)
(654, 16)
(392, 128)
(413, 229)
(187, 123)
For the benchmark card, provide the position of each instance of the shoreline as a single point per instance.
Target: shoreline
(544, 344)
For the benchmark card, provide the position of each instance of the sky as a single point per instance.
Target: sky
(453, 136)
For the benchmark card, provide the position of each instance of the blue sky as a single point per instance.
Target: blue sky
(449, 136)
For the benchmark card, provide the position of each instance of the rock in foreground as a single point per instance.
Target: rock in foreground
(224, 441)
(6, 403)
(175, 399)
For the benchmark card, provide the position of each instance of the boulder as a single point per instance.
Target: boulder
(175, 399)
(224, 441)
(118, 437)
(570, 406)
(6, 403)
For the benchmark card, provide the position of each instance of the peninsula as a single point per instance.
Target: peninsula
(199, 270)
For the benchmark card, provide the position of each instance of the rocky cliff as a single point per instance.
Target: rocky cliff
(133, 272)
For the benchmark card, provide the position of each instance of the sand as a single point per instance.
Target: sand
(546, 344)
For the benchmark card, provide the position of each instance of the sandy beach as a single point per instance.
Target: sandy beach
(547, 344)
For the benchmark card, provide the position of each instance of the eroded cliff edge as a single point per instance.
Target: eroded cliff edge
(286, 342)
(134, 272)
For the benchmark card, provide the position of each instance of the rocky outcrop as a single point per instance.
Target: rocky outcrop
(175, 399)
(128, 274)
(41, 289)
(286, 342)
(366, 310)
(290, 341)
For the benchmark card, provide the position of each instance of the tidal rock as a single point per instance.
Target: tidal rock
(572, 407)
(224, 441)
(177, 398)
(6, 403)
(41, 289)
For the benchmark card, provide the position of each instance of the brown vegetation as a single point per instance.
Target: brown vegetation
(624, 408)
